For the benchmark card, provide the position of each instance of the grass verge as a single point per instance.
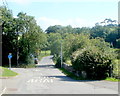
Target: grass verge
(112, 79)
(73, 76)
(7, 73)
(68, 62)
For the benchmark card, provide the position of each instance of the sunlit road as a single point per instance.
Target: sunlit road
(45, 79)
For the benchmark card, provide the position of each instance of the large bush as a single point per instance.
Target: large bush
(117, 51)
(93, 61)
(57, 60)
(116, 67)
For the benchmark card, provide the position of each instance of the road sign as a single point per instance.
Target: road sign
(9, 57)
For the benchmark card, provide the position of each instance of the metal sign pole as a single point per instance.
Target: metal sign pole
(10, 64)
(9, 57)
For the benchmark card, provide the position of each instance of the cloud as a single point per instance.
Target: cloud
(45, 22)
(15, 16)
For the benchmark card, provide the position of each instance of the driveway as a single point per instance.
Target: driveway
(46, 79)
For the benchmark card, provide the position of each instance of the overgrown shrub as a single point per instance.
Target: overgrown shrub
(116, 68)
(26, 66)
(117, 51)
(93, 61)
(57, 60)
(25, 60)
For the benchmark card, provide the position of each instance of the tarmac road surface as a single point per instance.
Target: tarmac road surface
(46, 79)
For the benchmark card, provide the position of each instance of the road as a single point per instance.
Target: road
(45, 79)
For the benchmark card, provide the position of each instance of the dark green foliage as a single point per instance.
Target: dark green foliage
(118, 43)
(112, 36)
(53, 29)
(57, 61)
(93, 61)
(94, 55)
(117, 51)
(98, 31)
(21, 36)
(87, 39)
(9, 35)
(108, 33)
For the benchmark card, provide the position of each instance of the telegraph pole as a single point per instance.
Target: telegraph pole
(61, 54)
(61, 50)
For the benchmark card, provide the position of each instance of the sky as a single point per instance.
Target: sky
(77, 13)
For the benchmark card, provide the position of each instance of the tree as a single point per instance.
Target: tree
(21, 34)
(9, 35)
(59, 29)
(54, 40)
(33, 39)
(118, 43)
(112, 36)
(83, 30)
(109, 22)
(72, 42)
(53, 29)
(98, 31)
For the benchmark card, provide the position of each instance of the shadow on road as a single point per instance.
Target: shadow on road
(65, 78)
(44, 66)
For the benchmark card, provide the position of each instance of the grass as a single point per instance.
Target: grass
(73, 76)
(22, 65)
(112, 79)
(7, 73)
(44, 53)
(68, 62)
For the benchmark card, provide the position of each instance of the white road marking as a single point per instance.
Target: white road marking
(36, 80)
(3, 91)
(41, 80)
(30, 81)
(45, 80)
(51, 80)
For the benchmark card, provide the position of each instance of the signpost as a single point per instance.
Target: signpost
(9, 57)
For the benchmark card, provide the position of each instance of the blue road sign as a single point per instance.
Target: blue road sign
(9, 56)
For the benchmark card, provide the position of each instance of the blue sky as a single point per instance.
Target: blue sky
(77, 13)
